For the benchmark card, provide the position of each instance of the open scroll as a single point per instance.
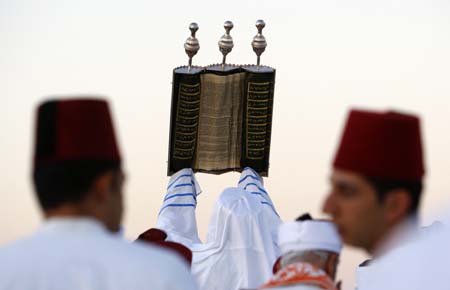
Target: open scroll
(221, 115)
(221, 120)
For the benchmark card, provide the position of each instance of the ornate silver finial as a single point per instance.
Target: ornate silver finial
(259, 41)
(226, 41)
(191, 45)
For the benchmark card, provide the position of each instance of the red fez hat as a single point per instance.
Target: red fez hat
(75, 129)
(157, 237)
(153, 235)
(381, 144)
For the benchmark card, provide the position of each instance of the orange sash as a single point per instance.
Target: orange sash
(300, 273)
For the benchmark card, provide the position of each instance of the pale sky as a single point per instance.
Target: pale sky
(329, 55)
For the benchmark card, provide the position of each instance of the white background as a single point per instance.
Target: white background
(329, 55)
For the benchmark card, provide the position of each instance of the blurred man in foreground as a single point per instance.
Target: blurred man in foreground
(376, 183)
(78, 181)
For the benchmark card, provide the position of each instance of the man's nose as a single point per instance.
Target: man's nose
(329, 204)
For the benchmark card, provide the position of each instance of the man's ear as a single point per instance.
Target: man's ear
(397, 205)
(101, 186)
(331, 265)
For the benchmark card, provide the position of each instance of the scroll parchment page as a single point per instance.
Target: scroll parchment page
(220, 124)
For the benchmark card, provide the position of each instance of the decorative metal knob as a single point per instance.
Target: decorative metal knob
(226, 41)
(191, 46)
(259, 41)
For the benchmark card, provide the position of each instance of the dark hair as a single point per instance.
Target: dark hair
(383, 186)
(304, 217)
(366, 263)
(67, 181)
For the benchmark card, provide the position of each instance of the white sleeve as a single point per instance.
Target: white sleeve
(254, 184)
(177, 214)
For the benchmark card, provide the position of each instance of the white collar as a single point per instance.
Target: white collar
(73, 225)
(401, 234)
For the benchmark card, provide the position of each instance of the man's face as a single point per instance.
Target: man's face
(354, 206)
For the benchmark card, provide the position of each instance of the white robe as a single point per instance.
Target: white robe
(362, 277)
(240, 246)
(420, 264)
(80, 254)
